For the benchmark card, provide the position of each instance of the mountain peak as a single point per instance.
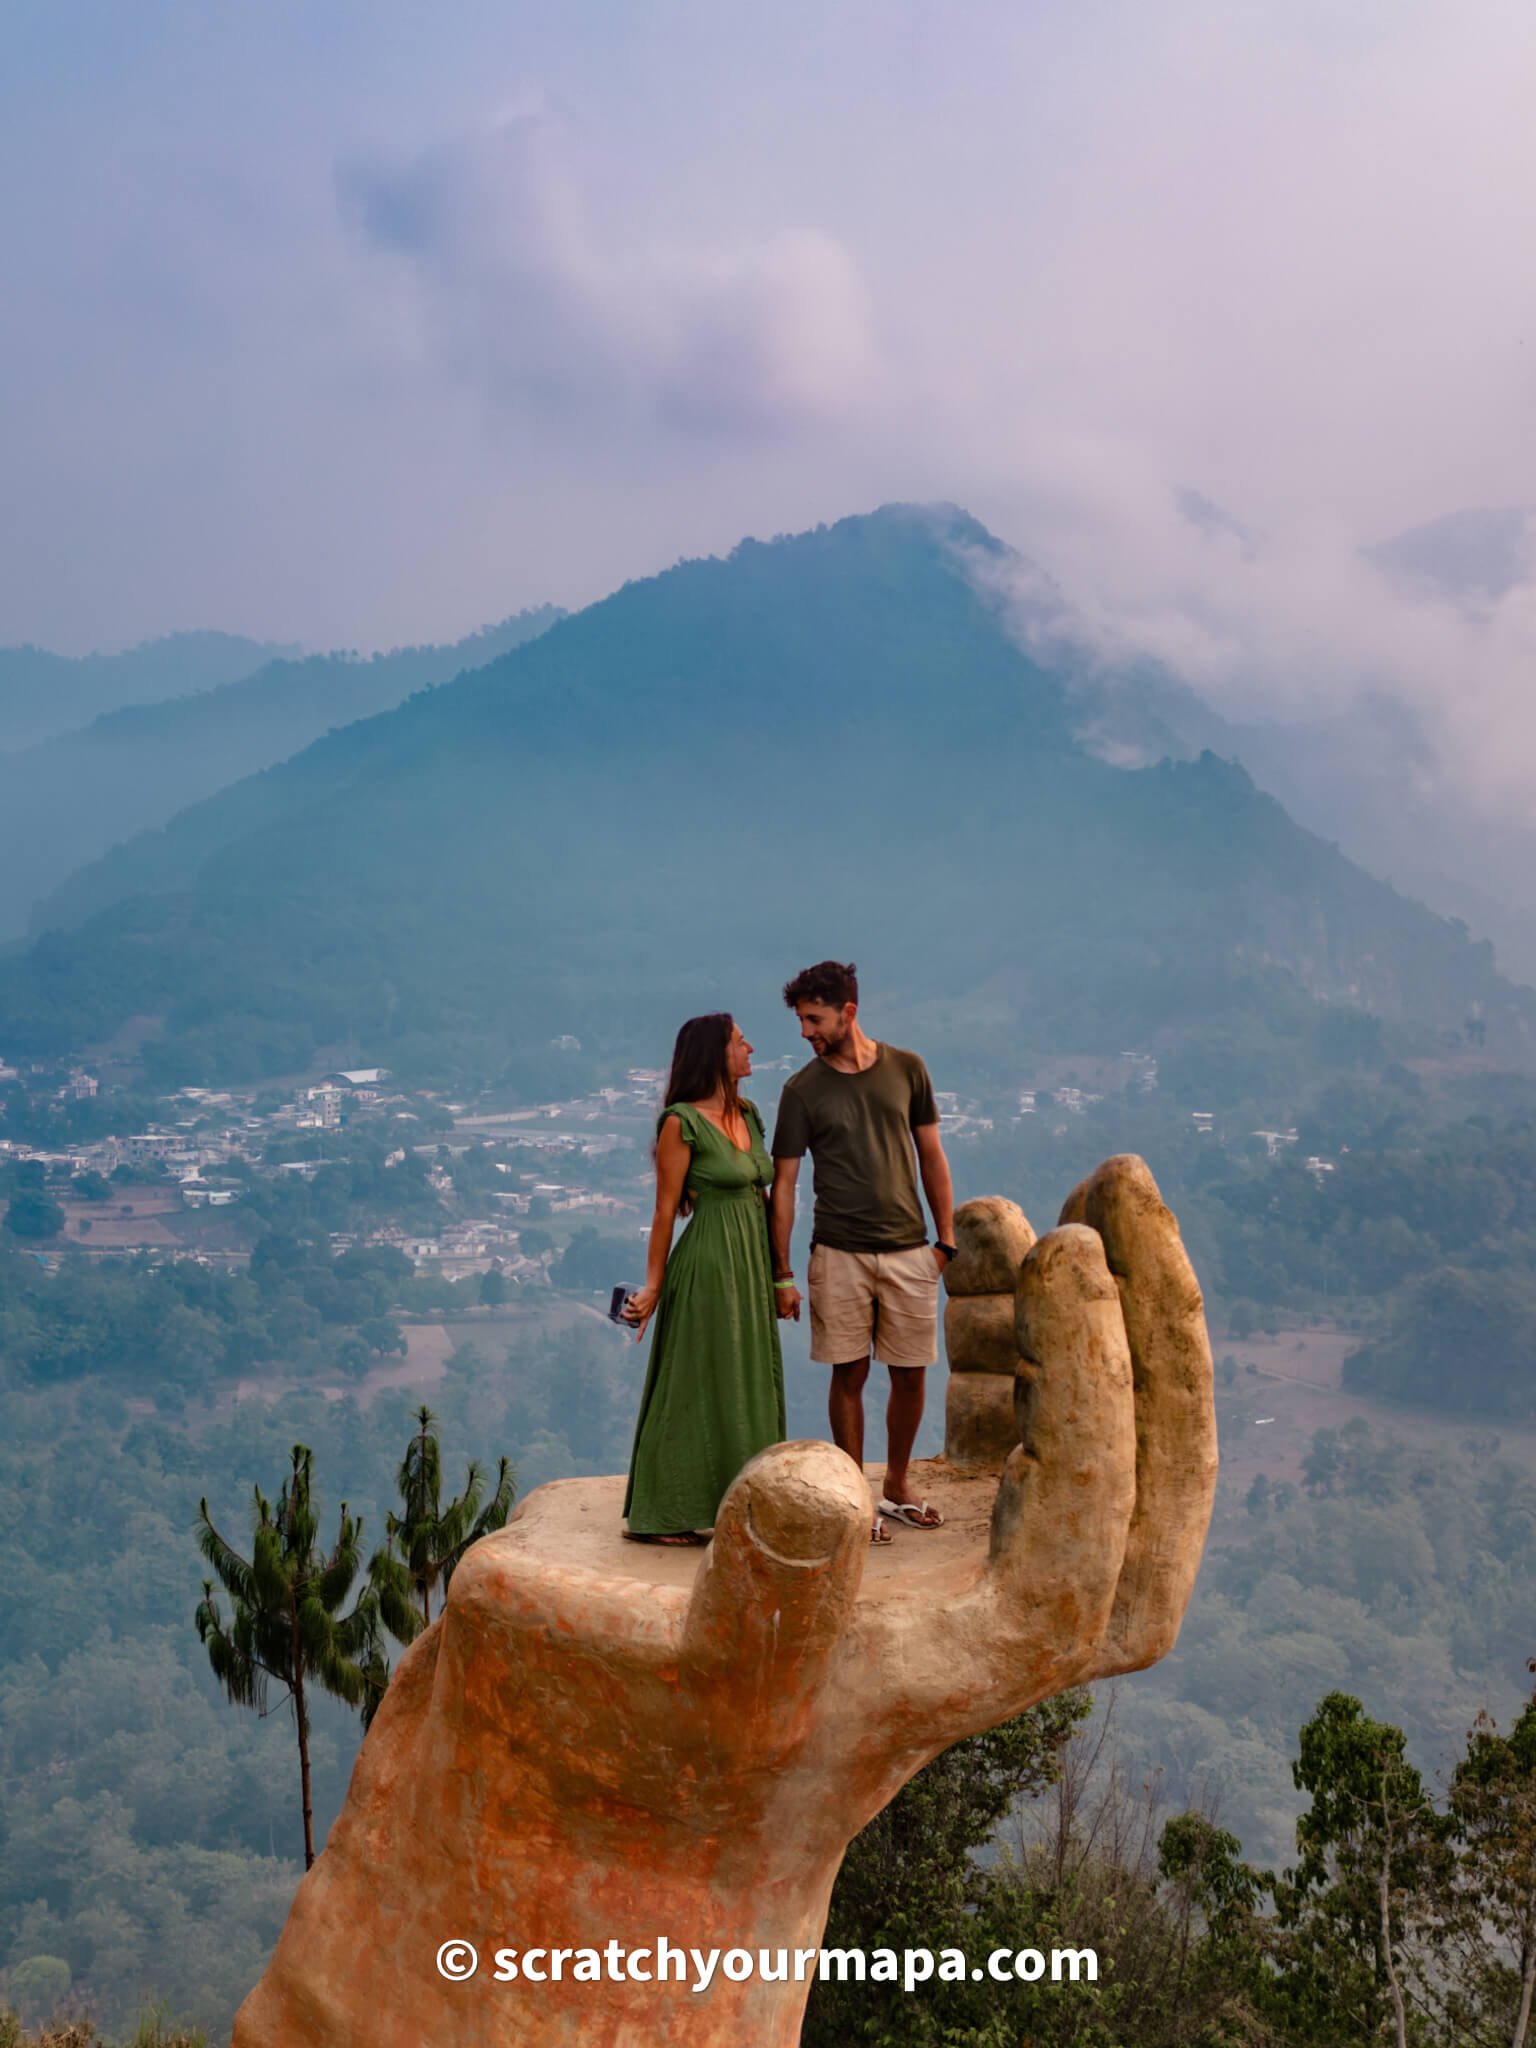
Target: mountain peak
(824, 743)
(940, 523)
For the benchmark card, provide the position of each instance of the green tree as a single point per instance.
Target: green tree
(288, 1626)
(1212, 1888)
(908, 1879)
(493, 1288)
(1374, 1861)
(33, 1215)
(1323, 1463)
(38, 1986)
(352, 1357)
(432, 1538)
(592, 1262)
(1493, 1814)
(381, 1335)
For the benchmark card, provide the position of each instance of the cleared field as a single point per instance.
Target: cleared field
(1268, 1418)
(142, 1219)
(428, 1347)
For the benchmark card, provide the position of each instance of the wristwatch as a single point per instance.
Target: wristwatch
(947, 1249)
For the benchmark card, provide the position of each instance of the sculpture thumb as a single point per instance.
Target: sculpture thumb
(776, 1590)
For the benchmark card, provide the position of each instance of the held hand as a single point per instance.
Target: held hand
(639, 1309)
(786, 1301)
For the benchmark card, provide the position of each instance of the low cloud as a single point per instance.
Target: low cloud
(1300, 624)
(520, 292)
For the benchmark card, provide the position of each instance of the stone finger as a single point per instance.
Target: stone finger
(1175, 1406)
(991, 1237)
(1067, 1490)
(1033, 1618)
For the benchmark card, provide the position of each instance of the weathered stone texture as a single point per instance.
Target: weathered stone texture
(979, 1334)
(601, 1741)
(980, 1427)
(992, 1235)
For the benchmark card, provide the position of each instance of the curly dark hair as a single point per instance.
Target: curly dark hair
(829, 981)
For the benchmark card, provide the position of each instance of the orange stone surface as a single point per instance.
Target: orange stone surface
(603, 1742)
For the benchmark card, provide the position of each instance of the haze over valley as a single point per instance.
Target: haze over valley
(525, 527)
(359, 1051)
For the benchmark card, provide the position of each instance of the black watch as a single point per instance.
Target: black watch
(947, 1249)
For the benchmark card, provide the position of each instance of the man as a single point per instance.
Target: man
(859, 1108)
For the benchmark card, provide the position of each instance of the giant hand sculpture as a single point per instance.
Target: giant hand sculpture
(587, 1748)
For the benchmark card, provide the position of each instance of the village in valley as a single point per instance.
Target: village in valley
(169, 1188)
(511, 1184)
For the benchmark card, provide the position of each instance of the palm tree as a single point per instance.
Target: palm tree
(287, 1625)
(432, 1538)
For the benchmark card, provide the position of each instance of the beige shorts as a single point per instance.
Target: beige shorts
(880, 1304)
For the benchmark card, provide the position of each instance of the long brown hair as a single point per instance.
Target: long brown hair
(699, 1067)
(700, 1064)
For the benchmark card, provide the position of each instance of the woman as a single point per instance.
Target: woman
(714, 1392)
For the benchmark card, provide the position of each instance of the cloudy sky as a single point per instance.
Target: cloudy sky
(355, 322)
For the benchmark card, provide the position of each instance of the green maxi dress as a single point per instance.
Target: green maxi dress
(714, 1389)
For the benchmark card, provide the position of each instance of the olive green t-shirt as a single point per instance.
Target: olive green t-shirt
(858, 1130)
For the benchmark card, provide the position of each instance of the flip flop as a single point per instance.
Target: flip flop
(918, 1516)
(878, 1532)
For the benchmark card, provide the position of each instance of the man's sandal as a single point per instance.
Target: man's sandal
(916, 1515)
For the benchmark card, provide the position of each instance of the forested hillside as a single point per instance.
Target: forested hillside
(43, 693)
(152, 1831)
(67, 800)
(586, 839)
(400, 878)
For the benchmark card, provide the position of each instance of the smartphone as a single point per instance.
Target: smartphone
(622, 1296)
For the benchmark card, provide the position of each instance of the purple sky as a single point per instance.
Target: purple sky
(368, 322)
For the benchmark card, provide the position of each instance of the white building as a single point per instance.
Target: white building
(144, 1146)
(1274, 1140)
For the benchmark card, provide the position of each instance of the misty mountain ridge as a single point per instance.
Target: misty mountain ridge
(42, 693)
(829, 743)
(68, 799)
(1364, 776)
